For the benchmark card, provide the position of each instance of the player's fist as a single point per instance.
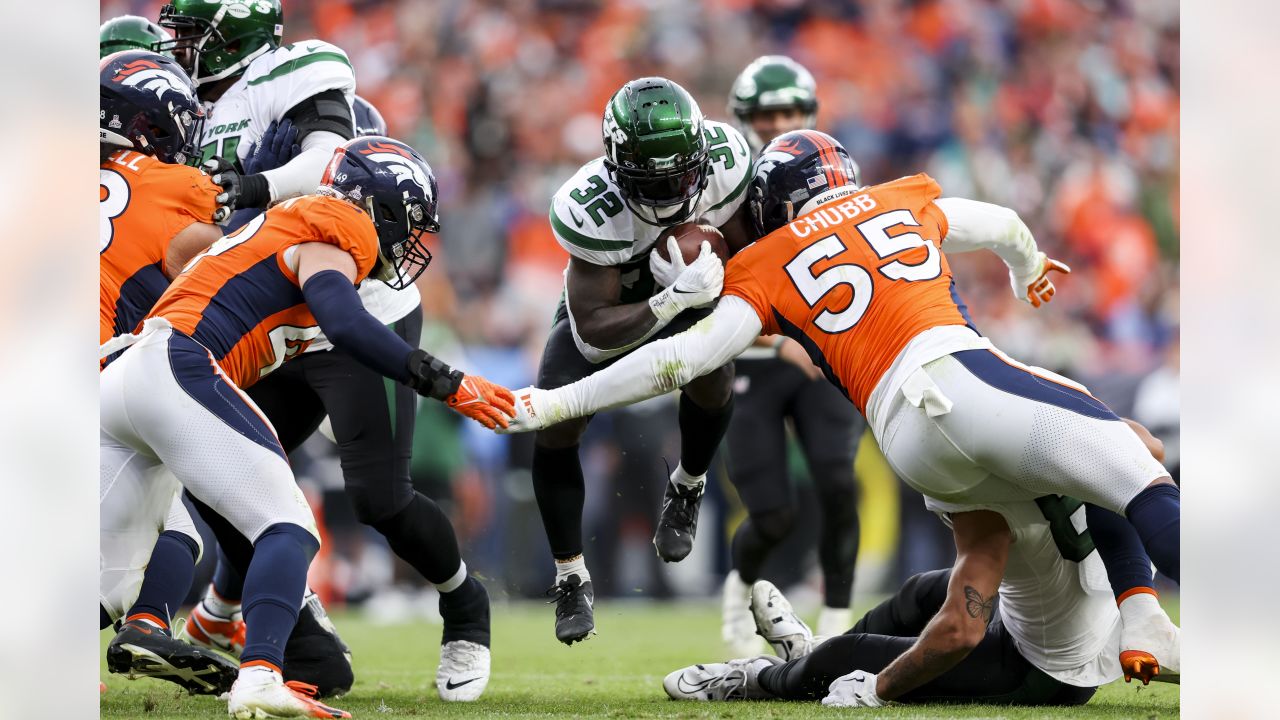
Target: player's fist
(1036, 287)
(533, 411)
(857, 689)
(277, 146)
(698, 284)
(488, 404)
(238, 190)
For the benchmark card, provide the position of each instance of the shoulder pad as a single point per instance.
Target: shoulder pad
(730, 173)
(292, 73)
(590, 220)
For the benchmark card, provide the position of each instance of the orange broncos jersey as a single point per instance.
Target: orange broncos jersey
(854, 280)
(241, 300)
(143, 204)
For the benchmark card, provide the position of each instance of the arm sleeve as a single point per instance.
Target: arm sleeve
(301, 175)
(337, 308)
(663, 365)
(974, 225)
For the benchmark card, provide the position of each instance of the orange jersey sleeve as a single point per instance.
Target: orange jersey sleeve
(143, 204)
(853, 280)
(241, 299)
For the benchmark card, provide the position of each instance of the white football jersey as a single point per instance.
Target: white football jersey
(1061, 613)
(272, 85)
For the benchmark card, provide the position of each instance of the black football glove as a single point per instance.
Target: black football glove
(238, 191)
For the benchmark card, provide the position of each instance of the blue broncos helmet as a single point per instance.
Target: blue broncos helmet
(396, 187)
(368, 120)
(148, 104)
(792, 170)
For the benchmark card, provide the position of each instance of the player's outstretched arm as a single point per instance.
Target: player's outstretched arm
(982, 550)
(326, 275)
(974, 225)
(657, 368)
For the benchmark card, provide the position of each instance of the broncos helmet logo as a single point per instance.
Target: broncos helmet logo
(147, 75)
(399, 163)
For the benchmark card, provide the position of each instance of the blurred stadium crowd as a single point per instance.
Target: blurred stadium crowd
(1065, 110)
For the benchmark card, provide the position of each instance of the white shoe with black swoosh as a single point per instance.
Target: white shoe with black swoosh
(734, 680)
(463, 672)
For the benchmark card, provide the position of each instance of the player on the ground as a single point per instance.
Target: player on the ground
(775, 380)
(1052, 633)
(237, 312)
(239, 65)
(663, 165)
(156, 214)
(859, 276)
(130, 32)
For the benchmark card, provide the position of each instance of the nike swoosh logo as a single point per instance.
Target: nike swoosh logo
(576, 220)
(689, 687)
(678, 291)
(449, 685)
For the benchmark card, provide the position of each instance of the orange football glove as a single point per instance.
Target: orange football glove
(1041, 290)
(488, 404)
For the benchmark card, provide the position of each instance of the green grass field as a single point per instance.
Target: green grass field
(616, 674)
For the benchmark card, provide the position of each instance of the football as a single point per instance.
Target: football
(690, 237)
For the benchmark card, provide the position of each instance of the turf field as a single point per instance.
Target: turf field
(616, 674)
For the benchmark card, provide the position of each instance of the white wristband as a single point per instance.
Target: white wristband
(665, 306)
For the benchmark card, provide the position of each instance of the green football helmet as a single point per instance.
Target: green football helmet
(129, 32)
(655, 150)
(772, 82)
(217, 39)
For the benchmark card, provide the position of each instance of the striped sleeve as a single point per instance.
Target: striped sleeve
(577, 235)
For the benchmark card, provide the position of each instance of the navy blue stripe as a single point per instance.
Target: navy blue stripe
(194, 371)
(242, 303)
(138, 294)
(994, 371)
(789, 329)
(962, 307)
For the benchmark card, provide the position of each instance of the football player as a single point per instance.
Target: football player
(663, 164)
(156, 214)
(859, 276)
(233, 52)
(776, 380)
(130, 32)
(240, 310)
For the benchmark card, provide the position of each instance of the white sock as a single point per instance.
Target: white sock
(577, 565)
(217, 606)
(454, 582)
(685, 480)
(735, 587)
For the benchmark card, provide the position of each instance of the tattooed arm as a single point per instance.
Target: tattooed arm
(982, 548)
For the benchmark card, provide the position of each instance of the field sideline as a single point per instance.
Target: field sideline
(616, 674)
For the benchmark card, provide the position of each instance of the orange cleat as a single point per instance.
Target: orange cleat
(208, 630)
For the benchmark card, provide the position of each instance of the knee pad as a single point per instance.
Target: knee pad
(308, 542)
(775, 524)
(375, 506)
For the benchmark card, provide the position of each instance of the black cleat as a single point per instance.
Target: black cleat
(141, 649)
(575, 618)
(466, 613)
(315, 655)
(678, 523)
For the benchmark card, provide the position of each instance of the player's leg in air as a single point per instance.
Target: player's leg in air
(705, 408)
(806, 667)
(154, 565)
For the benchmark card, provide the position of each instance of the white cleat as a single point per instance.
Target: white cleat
(778, 623)
(738, 628)
(734, 680)
(1150, 644)
(834, 621)
(463, 672)
(260, 692)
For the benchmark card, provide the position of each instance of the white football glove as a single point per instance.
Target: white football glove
(1034, 286)
(698, 284)
(666, 271)
(857, 689)
(534, 411)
